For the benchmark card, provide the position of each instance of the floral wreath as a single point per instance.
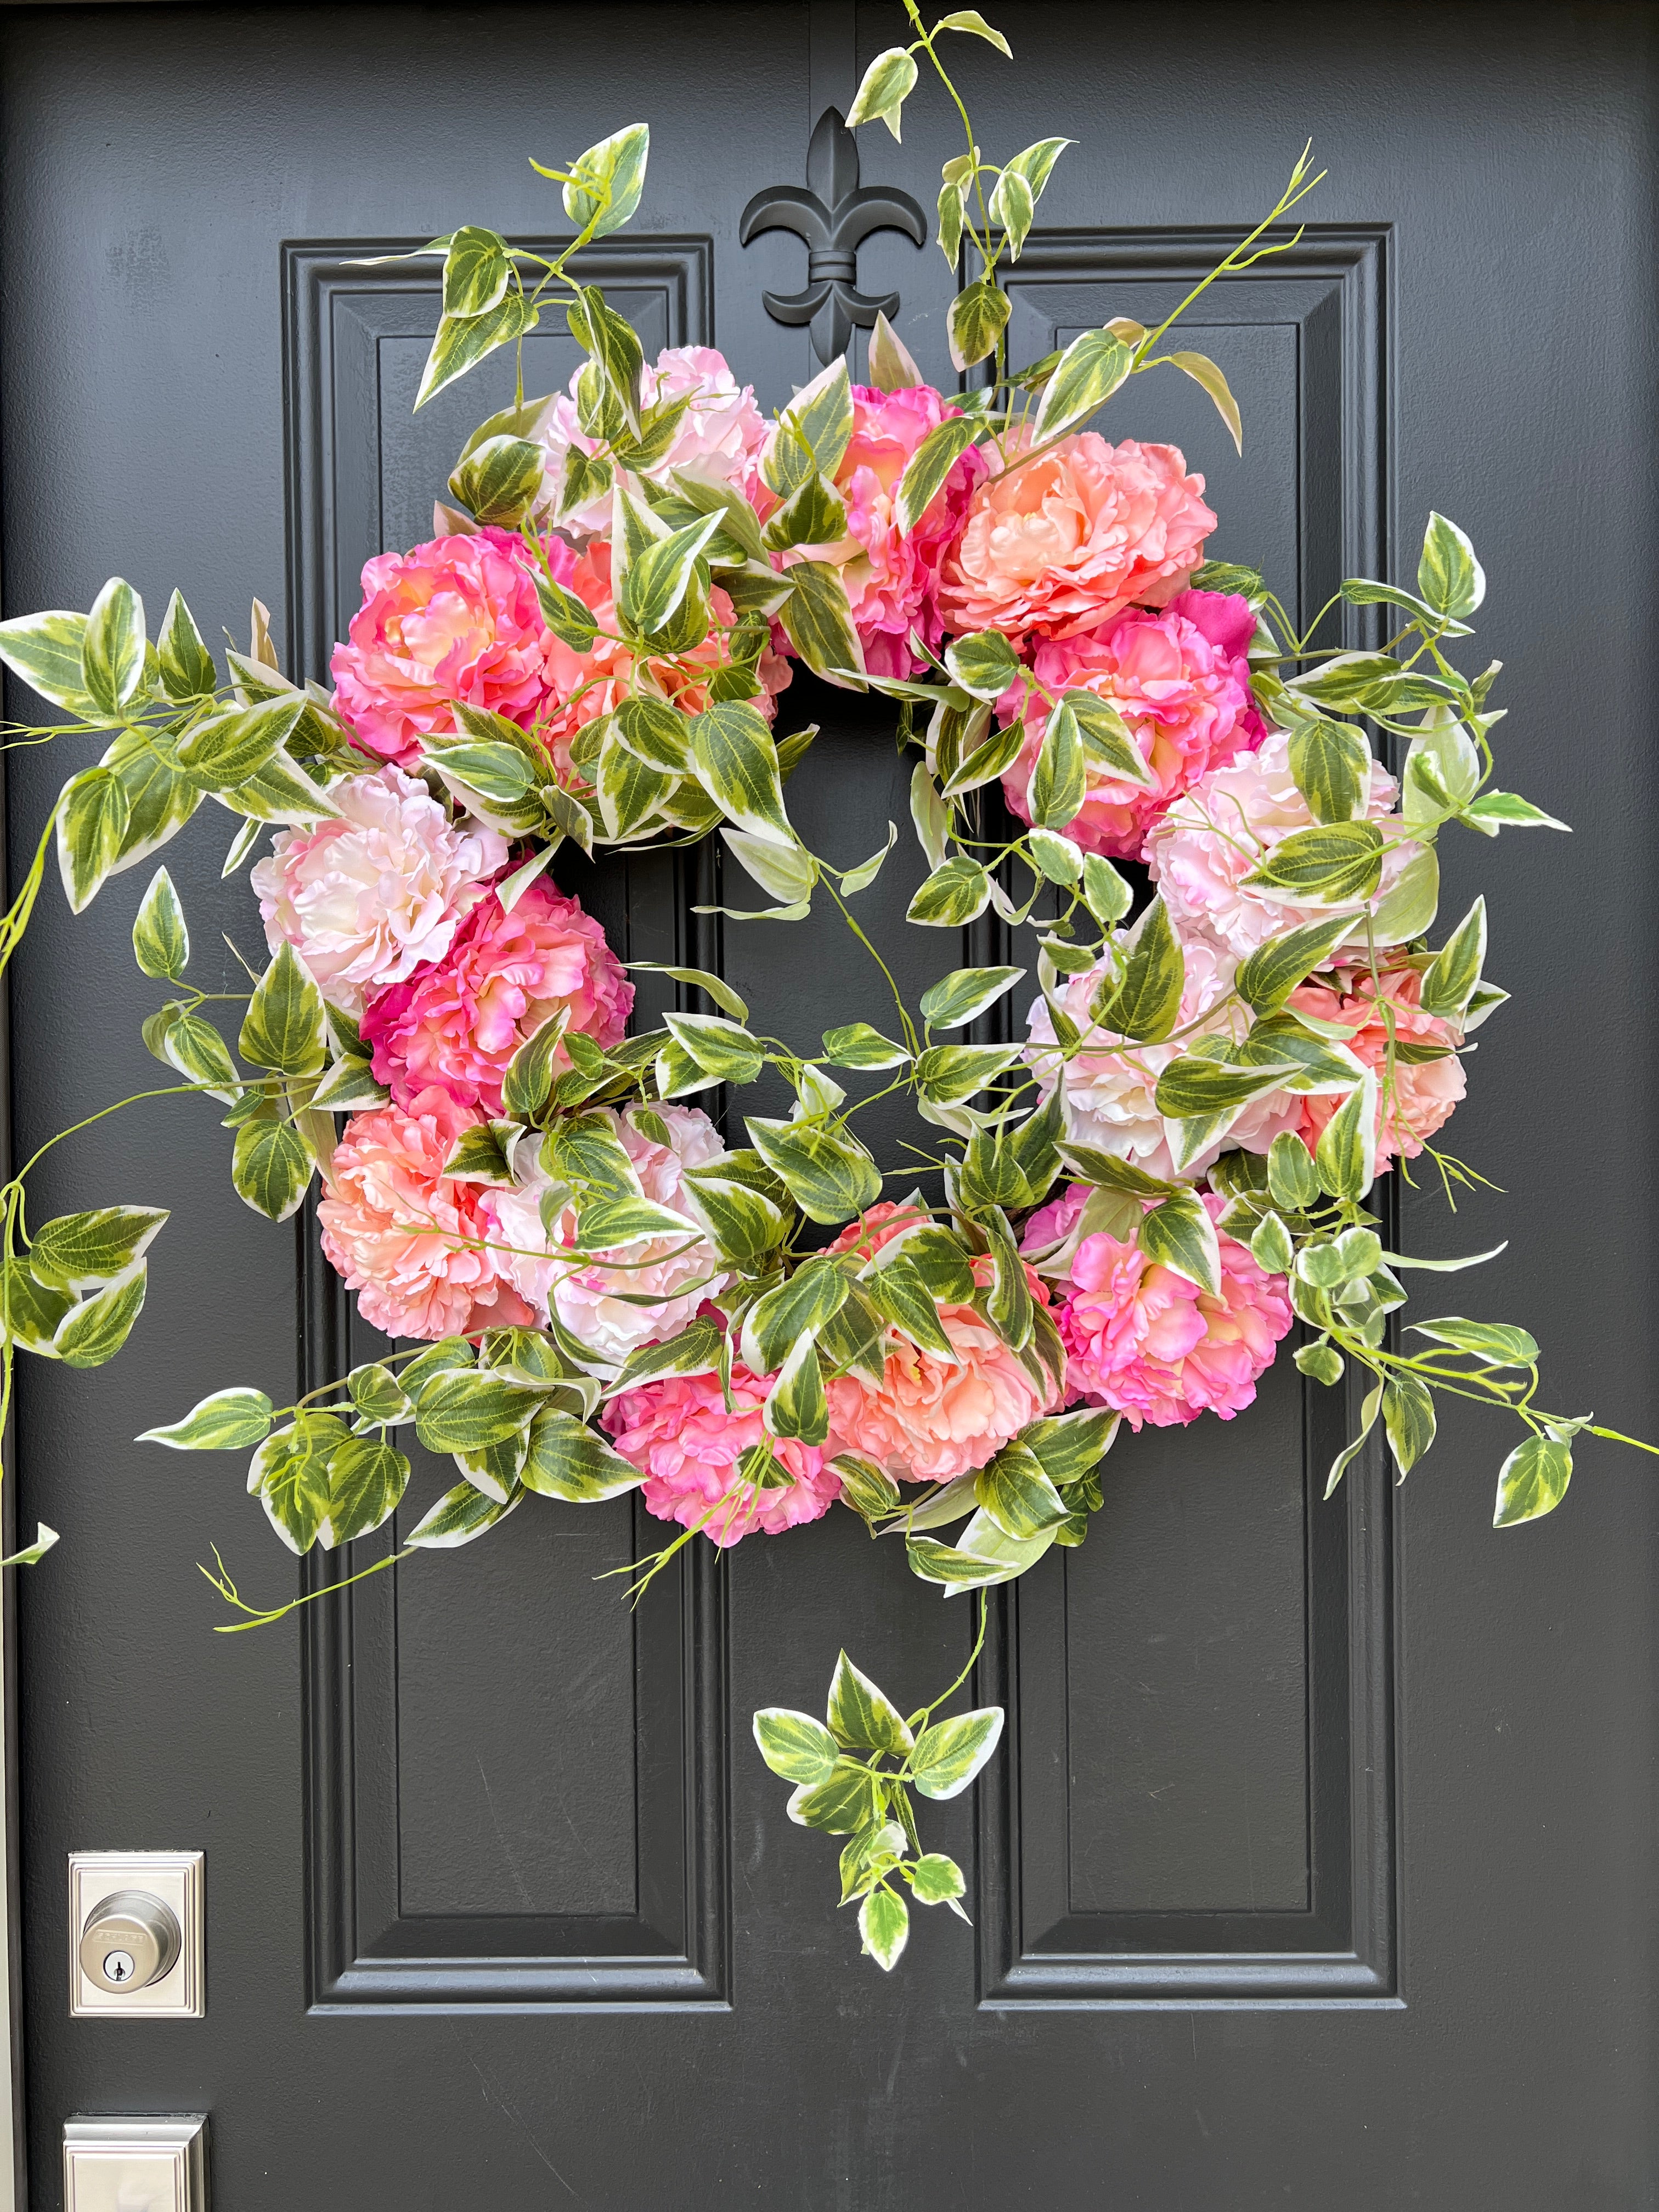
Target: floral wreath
(1116, 1217)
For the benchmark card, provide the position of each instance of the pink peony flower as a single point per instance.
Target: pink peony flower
(457, 1024)
(1153, 1346)
(720, 439)
(366, 899)
(594, 1301)
(1180, 682)
(893, 581)
(1423, 1094)
(678, 1433)
(456, 619)
(1231, 819)
(1061, 544)
(1107, 1087)
(928, 1419)
(406, 1240)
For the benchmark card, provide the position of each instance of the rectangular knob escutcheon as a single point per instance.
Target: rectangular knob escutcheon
(136, 2165)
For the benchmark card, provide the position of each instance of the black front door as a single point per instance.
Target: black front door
(1316, 1869)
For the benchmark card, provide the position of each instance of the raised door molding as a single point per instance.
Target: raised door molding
(1196, 1806)
(556, 1837)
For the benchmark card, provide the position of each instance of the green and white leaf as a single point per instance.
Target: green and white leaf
(949, 1754)
(229, 1421)
(284, 1027)
(1532, 1481)
(885, 86)
(161, 939)
(271, 1166)
(863, 1717)
(460, 1516)
(113, 650)
(795, 1744)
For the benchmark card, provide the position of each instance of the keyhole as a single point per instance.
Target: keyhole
(118, 1966)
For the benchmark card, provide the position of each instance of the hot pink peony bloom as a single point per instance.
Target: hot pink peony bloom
(594, 1301)
(405, 1240)
(368, 898)
(1209, 841)
(1423, 1094)
(457, 1024)
(1058, 545)
(1181, 682)
(454, 619)
(928, 1419)
(893, 581)
(1153, 1346)
(1108, 1087)
(680, 1435)
(720, 437)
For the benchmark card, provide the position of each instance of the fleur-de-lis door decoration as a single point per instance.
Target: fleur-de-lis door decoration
(834, 215)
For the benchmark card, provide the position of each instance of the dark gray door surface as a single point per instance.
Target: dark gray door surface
(1319, 1868)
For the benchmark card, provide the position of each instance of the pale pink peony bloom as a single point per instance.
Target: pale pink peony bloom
(457, 1024)
(455, 619)
(893, 581)
(1423, 1094)
(406, 1241)
(928, 1420)
(1151, 1344)
(1227, 824)
(1180, 681)
(366, 899)
(676, 1273)
(680, 1435)
(1058, 544)
(719, 441)
(1107, 1087)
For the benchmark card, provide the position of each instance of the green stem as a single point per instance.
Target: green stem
(912, 1040)
(1616, 1437)
(227, 1589)
(917, 1719)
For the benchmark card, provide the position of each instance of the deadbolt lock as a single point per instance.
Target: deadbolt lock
(130, 1941)
(135, 1935)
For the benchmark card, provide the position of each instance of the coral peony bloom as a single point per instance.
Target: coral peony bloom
(456, 619)
(1153, 1346)
(720, 437)
(928, 1418)
(457, 1024)
(893, 581)
(583, 686)
(1108, 1088)
(1423, 1094)
(405, 1239)
(1058, 545)
(368, 898)
(1181, 682)
(1231, 821)
(594, 1301)
(678, 1433)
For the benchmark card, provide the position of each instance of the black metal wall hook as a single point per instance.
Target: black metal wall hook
(834, 215)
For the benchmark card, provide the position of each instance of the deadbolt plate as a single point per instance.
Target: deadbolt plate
(175, 1879)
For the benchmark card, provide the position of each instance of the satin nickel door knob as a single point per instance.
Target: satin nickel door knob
(130, 1939)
